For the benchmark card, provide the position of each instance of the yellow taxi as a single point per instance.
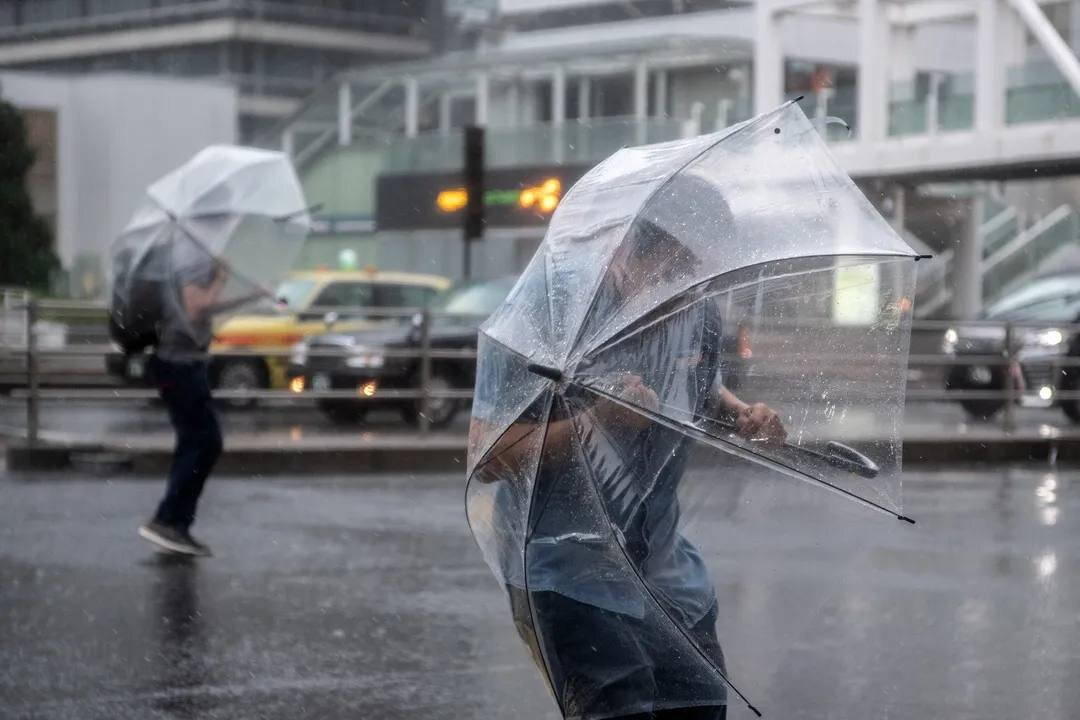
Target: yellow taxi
(309, 297)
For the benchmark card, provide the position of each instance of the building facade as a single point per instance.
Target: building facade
(274, 53)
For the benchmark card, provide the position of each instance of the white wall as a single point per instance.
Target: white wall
(117, 133)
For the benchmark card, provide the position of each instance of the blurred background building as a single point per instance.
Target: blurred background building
(964, 115)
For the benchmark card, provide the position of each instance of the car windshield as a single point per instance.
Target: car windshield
(474, 299)
(294, 291)
(1053, 299)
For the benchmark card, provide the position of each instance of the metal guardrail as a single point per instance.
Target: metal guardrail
(32, 354)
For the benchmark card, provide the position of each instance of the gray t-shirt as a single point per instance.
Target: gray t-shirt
(182, 338)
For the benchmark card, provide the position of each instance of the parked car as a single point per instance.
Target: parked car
(1044, 308)
(358, 361)
(309, 297)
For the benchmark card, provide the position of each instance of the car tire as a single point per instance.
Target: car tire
(241, 375)
(957, 379)
(982, 409)
(441, 412)
(344, 413)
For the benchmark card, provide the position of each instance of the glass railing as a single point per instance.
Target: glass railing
(575, 143)
(1038, 91)
(956, 102)
(911, 106)
(1018, 259)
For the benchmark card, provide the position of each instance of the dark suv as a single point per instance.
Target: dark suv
(1040, 343)
(358, 360)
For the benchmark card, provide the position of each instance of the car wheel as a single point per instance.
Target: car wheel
(962, 378)
(440, 411)
(241, 375)
(343, 412)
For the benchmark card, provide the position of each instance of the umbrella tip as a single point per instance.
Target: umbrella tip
(923, 257)
(544, 371)
(905, 519)
(753, 709)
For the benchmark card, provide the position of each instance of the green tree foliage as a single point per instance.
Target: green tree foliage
(26, 256)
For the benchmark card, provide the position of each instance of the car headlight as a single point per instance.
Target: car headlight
(1050, 338)
(299, 354)
(949, 340)
(361, 357)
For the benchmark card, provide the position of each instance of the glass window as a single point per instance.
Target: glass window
(404, 296)
(476, 299)
(294, 292)
(345, 295)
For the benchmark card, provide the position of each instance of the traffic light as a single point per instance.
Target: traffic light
(474, 182)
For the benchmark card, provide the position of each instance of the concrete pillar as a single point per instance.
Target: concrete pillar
(558, 96)
(558, 114)
(989, 66)
(584, 98)
(874, 37)
(641, 100)
(967, 266)
(768, 58)
(344, 114)
(412, 107)
(513, 100)
(660, 93)
(445, 104)
(483, 96)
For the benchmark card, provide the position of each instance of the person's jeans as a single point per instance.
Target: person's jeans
(185, 388)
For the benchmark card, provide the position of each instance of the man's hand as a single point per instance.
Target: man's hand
(636, 392)
(760, 423)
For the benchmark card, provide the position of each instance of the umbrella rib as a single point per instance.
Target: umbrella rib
(740, 451)
(644, 584)
(595, 294)
(613, 337)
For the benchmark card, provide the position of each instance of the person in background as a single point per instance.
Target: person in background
(179, 368)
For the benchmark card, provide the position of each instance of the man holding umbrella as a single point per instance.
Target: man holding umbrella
(582, 613)
(212, 235)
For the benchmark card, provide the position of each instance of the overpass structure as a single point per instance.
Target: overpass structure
(946, 100)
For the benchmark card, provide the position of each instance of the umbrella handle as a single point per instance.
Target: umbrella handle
(839, 455)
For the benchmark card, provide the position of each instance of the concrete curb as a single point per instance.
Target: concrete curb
(438, 457)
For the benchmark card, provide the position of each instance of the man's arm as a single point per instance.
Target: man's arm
(756, 422)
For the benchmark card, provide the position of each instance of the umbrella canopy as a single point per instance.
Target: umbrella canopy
(669, 275)
(234, 207)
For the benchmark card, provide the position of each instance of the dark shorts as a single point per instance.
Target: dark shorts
(602, 664)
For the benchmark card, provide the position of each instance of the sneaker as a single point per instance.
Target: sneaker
(172, 539)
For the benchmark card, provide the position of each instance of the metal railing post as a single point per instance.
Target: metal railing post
(1010, 381)
(31, 374)
(425, 371)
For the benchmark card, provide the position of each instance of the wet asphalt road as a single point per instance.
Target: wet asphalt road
(365, 597)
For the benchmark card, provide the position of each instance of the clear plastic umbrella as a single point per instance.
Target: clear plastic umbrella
(237, 209)
(703, 292)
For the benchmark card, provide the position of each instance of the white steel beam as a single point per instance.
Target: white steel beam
(345, 113)
(483, 96)
(874, 41)
(1047, 35)
(412, 107)
(558, 96)
(989, 65)
(768, 58)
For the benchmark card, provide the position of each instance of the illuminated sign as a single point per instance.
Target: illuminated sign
(515, 197)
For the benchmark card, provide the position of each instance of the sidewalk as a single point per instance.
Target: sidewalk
(932, 435)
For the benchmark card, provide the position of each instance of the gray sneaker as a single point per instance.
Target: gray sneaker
(172, 539)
